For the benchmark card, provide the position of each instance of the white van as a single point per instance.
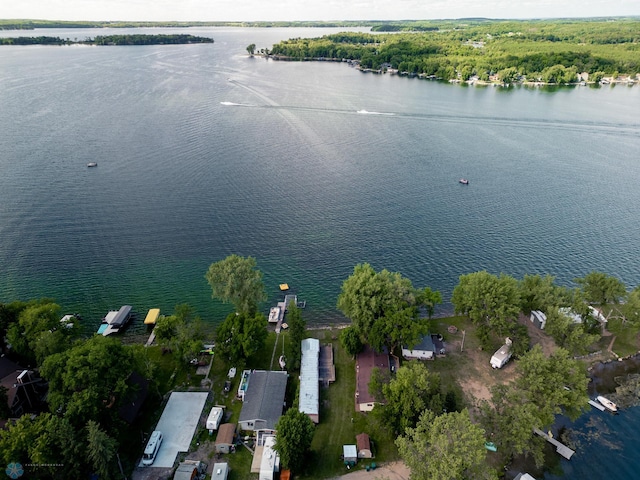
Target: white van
(151, 450)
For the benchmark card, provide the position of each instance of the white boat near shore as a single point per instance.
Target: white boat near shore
(608, 404)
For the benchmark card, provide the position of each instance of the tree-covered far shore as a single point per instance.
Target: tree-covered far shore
(135, 39)
(549, 51)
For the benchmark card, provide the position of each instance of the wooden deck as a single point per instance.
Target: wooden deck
(326, 367)
(562, 449)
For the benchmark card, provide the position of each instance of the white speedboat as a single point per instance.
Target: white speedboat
(606, 403)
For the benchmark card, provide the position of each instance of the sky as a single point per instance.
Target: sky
(292, 10)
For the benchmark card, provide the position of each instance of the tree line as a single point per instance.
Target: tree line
(132, 39)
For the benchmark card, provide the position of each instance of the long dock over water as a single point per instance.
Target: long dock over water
(562, 449)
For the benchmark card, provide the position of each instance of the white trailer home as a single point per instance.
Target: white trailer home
(502, 356)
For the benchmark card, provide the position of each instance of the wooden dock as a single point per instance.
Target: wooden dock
(562, 449)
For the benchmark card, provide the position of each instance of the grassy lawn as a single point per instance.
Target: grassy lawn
(626, 338)
(339, 422)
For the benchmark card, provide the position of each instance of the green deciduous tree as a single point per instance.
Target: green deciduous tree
(541, 293)
(293, 438)
(488, 300)
(46, 441)
(101, 450)
(544, 388)
(350, 340)
(37, 318)
(445, 447)
(236, 280)
(601, 288)
(410, 392)
(568, 334)
(88, 381)
(384, 307)
(297, 331)
(631, 308)
(181, 332)
(240, 336)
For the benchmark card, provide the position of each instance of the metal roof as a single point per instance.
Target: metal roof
(309, 377)
(264, 397)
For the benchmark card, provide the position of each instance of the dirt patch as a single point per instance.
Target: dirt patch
(389, 471)
(477, 377)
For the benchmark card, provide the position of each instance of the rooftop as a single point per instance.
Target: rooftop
(264, 397)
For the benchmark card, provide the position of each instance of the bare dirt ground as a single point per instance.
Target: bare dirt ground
(477, 378)
(389, 471)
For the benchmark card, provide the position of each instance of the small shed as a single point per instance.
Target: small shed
(364, 446)
(224, 440)
(214, 419)
(350, 453)
(538, 318)
(190, 470)
(220, 471)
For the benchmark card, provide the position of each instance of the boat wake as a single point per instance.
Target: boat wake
(233, 104)
(366, 112)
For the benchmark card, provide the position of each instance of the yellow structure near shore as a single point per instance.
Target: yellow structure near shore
(152, 316)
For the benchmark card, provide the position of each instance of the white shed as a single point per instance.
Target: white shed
(538, 318)
(350, 453)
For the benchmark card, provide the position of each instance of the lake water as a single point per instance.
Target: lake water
(203, 152)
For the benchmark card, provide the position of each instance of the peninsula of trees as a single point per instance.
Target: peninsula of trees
(135, 39)
(549, 51)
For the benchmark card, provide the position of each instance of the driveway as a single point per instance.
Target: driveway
(178, 424)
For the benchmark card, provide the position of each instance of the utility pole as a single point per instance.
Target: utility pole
(462, 345)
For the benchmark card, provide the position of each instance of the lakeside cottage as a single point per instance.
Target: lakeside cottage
(429, 346)
(366, 361)
(263, 400)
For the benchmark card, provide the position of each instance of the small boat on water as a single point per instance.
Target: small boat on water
(92, 164)
(464, 181)
(274, 314)
(608, 404)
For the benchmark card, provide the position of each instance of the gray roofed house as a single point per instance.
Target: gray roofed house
(263, 400)
(425, 350)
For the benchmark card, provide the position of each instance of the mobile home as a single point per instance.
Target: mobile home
(502, 356)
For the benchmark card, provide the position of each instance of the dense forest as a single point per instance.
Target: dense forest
(549, 51)
(109, 40)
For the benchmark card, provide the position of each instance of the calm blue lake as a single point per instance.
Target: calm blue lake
(203, 152)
